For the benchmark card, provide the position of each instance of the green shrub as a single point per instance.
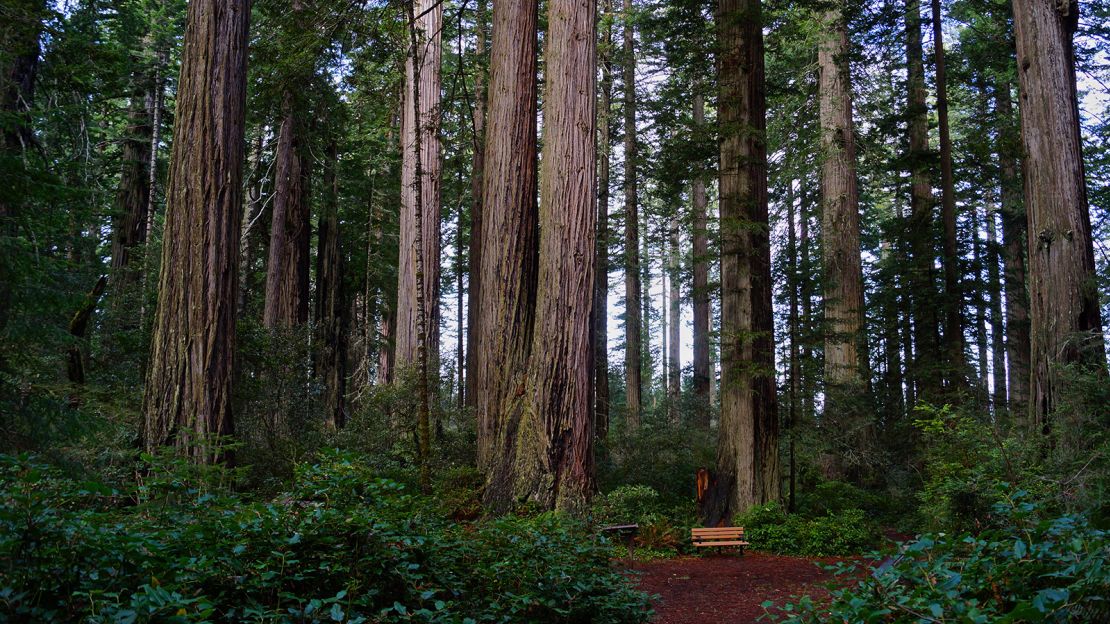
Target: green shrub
(1023, 569)
(338, 545)
(768, 528)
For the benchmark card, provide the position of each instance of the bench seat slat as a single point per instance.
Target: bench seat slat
(721, 544)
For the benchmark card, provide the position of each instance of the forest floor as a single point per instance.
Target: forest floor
(727, 587)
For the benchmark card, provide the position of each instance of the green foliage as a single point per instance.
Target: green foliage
(338, 545)
(769, 528)
(1026, 569)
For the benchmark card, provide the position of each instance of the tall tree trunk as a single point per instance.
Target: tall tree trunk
(508, 270)
(953, 293)
(980, 333)
(555, 461)
(601, 270)
(998, 345)
(133, 195)
(1014, 243)
(428, 26)
(794, 381)
(78, 330)
(1065, 318)
(287, 294)
(189, 385)
(19, 39)
(633, 320)
(331, 305)
(477, 185)
(747, 451)
(674, 367)
(845, 338)
(700, 289)
(926, 373)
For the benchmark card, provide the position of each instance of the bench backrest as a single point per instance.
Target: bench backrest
(719, 533)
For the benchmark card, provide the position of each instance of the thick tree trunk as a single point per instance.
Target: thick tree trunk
(926, 366)
(633, 319)
(747, 451)
(953, 293)
(287, 295)
(601, 269)
(19, 40)
(477, 186)
(331, 306)
(555, 460)
(1065, 318)
(794, 381)
(189, 385)
(1014, 241)
(700, 288)
(133, 195)
(508, 270)
(78, 330)
(429, 26)
(845, 338)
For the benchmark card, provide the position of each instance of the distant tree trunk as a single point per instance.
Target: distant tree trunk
(254, 206)
(845, 338)
(331, 306)
(287, 293)
(747, 451)
(805, 289)
(509, 230)
(474, 276)
(133, 195)
(78, 330)
(189, 384)
(1014, 244)
(555, 460)
(794, 375)
(998, 345)
(926, 373)
(674, 367)
(700, 289)
(980, 333)
(601, 270)
(1065, 317)
(429, 26)
(633, 321)
(953, 293)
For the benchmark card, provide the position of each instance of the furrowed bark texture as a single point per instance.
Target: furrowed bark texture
(189, 384)
(845, 355)
(133, 195)
(700, 289)
(926, 365)
(633, 316)
(1014, 238)
(477, 188)
(286, 303)
(601, 269)
(1066, 323)
(429, 24)
(331, 305)
(509, 231)
(953, 293)
(747, 450)
(555, 461)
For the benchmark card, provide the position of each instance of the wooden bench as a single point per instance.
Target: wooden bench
(720, 536)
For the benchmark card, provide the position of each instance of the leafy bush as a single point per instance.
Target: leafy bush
(769, 528)
(1023, 570)
(338, 545)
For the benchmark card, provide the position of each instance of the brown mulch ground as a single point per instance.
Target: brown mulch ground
(726, 588)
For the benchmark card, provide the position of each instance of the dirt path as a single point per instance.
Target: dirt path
(726, 588)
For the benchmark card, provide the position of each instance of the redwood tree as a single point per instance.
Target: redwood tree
(633, 314)
(747, 448)
(1066, 322)
(189, 384)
